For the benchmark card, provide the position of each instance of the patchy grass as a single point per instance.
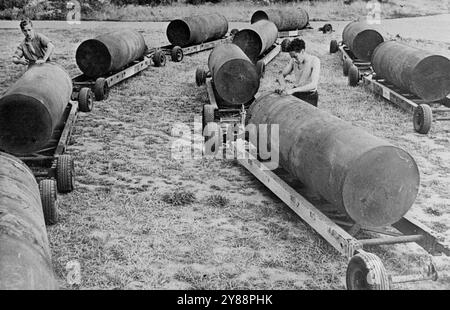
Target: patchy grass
(218, 201)
(179, 198)
(119, 227)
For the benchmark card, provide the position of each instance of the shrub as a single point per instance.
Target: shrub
(11, 4)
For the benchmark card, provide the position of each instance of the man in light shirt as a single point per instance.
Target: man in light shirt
(34, 49)
(306, 70)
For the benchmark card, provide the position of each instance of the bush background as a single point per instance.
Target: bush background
(234, 10)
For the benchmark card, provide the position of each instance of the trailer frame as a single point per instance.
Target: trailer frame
(177, 53)
(51, 167)
(365, 270)
(348, 58)
(225, 116)
(100, 86)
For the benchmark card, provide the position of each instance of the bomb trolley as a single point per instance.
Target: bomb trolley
(101, 85)
(348, 58)
(51, 166)
(177, 53)
(225, 116)
(365, 270)
(422, 110)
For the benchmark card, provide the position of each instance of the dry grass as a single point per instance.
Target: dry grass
(235, 234)
(242, 10)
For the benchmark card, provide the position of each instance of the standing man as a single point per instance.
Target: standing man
(35, 48)
(306, 69)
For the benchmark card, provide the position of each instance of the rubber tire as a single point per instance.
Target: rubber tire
(177, 54)
(159, 58)
(285, 44)
(85, 100)
(422, 118)
(260, 68)
(327, 28)
(47, 189)
(359, 268)
(65, 174)
(101, 89)
(200, 76)
(234, 31)
(353, 75)
(334, 47)
(346, 66)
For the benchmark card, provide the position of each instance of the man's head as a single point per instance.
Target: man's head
(27, 28)
(296, 49)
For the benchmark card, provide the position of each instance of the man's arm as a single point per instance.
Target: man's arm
(49, 51)
(17, 57)
(286, 71)
(49, 48)
(315, 75)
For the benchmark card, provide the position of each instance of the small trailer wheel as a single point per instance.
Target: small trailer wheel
(365, 271)
(260, 68)
(346, 66)
(200, 76)
(422, 118)
(234, 31)
(65, 174)
(285, 44)
(85, 100)
(353, 75)
(177, 54)
(333, 46)
(159, 58)
(47, 189)
(101, 89)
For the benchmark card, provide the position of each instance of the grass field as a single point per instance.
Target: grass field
(139, 219)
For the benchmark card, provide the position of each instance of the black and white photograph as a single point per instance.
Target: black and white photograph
(225, 150)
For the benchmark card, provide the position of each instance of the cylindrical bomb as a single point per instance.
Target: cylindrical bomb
(285, 19)
(362, 39)
(422, 73)
(374, 182)
(235, 77)
(32, 107)
(109, 52)
(196, 29)
(25, 259)
(255, 39)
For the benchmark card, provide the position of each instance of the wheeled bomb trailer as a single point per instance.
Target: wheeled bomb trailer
(290, 22)
(232, 82)
(359, 40)
(111, 58)
(369, 183)
(415, 80)
(36, 122)
(258, 41)
(25, 257)
(194, 34)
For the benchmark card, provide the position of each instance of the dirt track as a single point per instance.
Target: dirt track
(119, 226)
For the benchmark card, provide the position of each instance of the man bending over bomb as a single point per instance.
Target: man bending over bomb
(306, 70)
(35, 48)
